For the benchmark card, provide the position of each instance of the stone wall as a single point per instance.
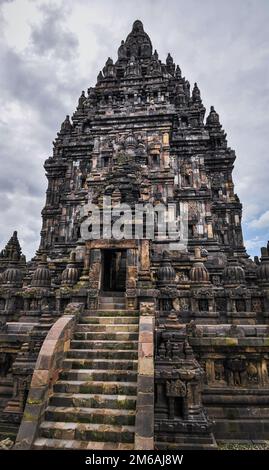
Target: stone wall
(236, 380)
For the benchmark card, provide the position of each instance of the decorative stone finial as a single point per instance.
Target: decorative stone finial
(109, 61)
(100, 76)
(199, 273)
(81, 99)
(213, 118)
(41, 276)
(263, 268)
(156, 55)
(12, 276)
(196, 95)
(166, 273)
(66, 126)
(138, 26)
(70, 274)
(170, 66)
(169, 59)
(233, 272)
(122, 52)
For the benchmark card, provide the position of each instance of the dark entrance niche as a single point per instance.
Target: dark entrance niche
(179, 407)
(114, 270)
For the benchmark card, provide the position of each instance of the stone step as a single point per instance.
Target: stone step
(107, 388)
(112, 297)
(112, 300)
(112, 294)
(109, 320)
(106, 328)
(87, 400)
(122, 364)
(109, 313)
(87, 431)
(91, 415)
(102, 354)
(111, 305)
(50, 444)
(99, 375)
(104, 344)
(115, 336)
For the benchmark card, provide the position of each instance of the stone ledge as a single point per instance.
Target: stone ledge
(46, 373)
(230, 341)
(144, 423)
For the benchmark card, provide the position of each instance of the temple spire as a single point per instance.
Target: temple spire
(138, 43)
(12, 248)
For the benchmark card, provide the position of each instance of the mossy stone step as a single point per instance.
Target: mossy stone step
(121, 364)
(110, 320)
(90, 415)
(107, 388)
(115, 336)
(87, 431)
(97, 375)
(112, 298)
(112, 305)
(87, 400)
(107, 328)
(104, 344)
(93, 405)
(102, 354)
(111, 313)
(50, 444)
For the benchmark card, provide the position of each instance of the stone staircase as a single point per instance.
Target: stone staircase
(93, 404)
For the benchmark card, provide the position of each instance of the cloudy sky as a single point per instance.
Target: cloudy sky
(51, 50)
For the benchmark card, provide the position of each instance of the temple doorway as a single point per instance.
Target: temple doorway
(114, 270)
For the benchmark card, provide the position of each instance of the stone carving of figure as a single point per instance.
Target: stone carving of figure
(219, 371)
(252, 373)
(168, 347)
(175, 388)
(236, 371)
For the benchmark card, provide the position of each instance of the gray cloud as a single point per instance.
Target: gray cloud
(222, 46)
(35, 95)
(50, 37)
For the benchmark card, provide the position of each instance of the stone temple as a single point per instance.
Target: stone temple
(130, 343)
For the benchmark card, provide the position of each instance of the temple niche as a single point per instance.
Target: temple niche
(141, 135)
